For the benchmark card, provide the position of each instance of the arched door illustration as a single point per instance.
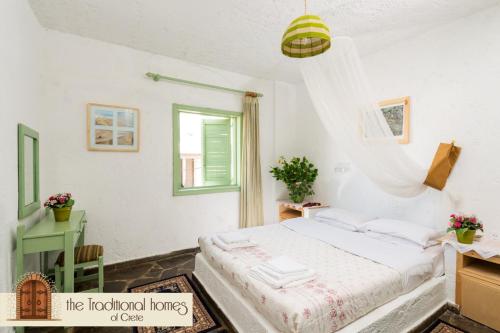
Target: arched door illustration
(33, 298)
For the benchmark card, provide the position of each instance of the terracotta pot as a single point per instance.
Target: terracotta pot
(62, 214)
(466, 237)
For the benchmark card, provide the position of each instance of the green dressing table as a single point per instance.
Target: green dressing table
(49, 235)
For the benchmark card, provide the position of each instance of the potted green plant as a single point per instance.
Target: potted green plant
(61, 204)
(298, 175)
(465, 227)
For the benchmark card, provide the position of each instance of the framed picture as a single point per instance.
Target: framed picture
(397, 113)
(112, 128)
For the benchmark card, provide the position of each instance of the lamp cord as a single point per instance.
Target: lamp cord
(305, 7)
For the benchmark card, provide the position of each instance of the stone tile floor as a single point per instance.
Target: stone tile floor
(464, 324)
(121, 277)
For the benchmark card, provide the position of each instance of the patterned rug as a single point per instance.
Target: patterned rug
(445, 328)
(203, 320)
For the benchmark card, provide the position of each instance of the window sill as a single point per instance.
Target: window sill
(206, 190)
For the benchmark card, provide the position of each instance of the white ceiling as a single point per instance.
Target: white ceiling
(244, 35)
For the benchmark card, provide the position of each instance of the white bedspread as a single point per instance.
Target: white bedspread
(414, 266)
(347, 287)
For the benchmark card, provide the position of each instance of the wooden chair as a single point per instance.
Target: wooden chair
(86, 256)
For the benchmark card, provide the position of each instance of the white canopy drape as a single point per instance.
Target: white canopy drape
(345, 104)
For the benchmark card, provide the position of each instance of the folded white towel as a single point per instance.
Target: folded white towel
(279, 276)
(233, 237)
(292, 281)
(228, 247)
(284, 265)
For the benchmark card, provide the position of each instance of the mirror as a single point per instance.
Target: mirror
(28, 171)
(29, 177)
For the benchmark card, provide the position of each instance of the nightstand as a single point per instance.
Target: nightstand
(289, 210)
(478, 288)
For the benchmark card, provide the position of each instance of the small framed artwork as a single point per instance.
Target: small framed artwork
(112, 128)
(397, 113)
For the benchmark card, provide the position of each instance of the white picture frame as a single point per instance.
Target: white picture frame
(112, 128)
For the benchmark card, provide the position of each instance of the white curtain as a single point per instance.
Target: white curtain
(343, 99)
(251, 208)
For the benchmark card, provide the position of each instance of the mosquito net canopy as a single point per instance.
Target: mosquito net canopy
(344, 101)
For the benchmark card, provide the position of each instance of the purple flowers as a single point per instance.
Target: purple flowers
(59, 200)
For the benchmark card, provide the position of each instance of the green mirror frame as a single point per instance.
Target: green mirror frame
(25, 209)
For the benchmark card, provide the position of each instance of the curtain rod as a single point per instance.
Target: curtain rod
(157, 77)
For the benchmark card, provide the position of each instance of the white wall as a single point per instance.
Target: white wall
(128, 196)
(286, 130)
(452, 75)
(20, 102)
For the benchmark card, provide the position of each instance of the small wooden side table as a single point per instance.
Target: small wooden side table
(289, 210)
(477, 289)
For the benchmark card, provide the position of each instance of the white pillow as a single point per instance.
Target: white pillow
(399, 241)
(417, 233)
(337, 224)
(350, 219)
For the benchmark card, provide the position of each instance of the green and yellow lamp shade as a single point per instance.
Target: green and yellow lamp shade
(306, 36)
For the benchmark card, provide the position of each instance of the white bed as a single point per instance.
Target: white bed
(356, 274)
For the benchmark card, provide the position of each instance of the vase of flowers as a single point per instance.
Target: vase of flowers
(61, 204)
(298, 175)
(465, 227)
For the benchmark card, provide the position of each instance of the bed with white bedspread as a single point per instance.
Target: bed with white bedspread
(355, 273)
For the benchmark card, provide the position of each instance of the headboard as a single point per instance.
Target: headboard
(357, 193)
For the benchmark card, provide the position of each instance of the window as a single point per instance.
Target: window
(206, 150)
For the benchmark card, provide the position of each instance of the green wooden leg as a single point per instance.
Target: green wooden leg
(69, 262)
(81, 239)
(58, 277)
(20, 259)
(20, 251)
(101, 274)
(45, 262)
(81, 242)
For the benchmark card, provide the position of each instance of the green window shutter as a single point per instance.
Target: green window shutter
(216, 152)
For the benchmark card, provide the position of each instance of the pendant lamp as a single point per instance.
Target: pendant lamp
(306, 36)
